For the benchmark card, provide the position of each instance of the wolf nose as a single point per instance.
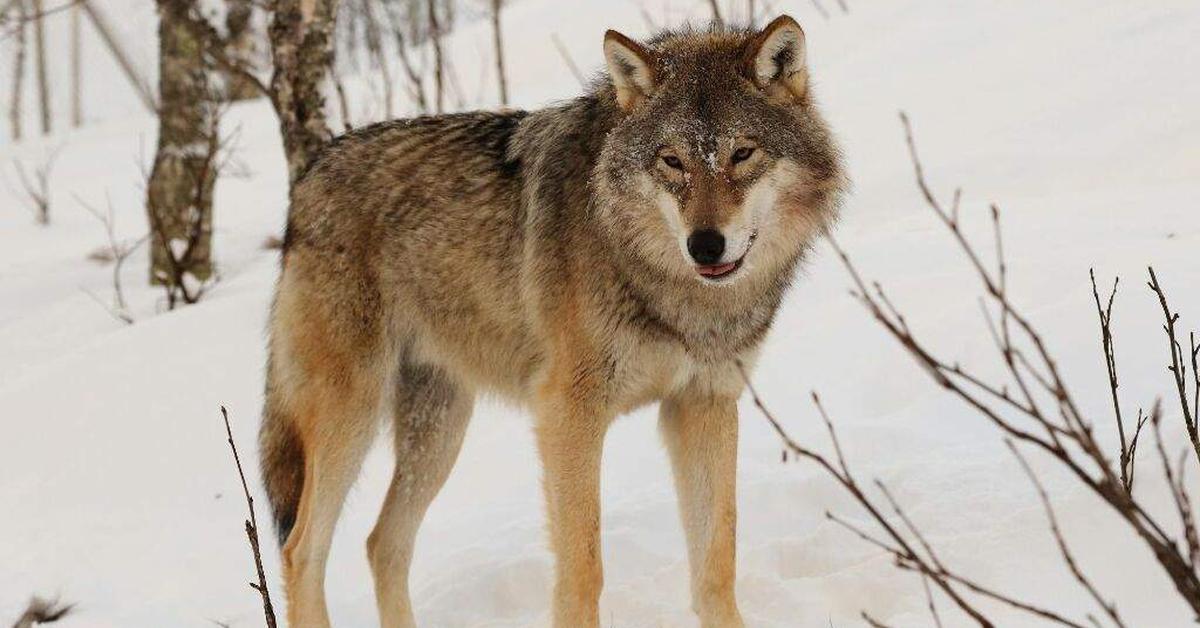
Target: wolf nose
(706, 246)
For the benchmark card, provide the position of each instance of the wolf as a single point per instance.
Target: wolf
(626, 247)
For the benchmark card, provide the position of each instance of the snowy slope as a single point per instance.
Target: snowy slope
(1080, 118)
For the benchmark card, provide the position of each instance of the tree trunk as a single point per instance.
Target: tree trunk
(497, 36)
(416, 86)
(240, 41)
(435, 36)
(301, 35)
(14, 109)
(179, 192)
(39, 42)
(716, 11)
(76, 69)
(378, 58)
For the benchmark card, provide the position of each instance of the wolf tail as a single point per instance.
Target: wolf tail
(281, 453)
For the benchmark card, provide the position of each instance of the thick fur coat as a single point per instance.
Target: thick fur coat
(630, 246)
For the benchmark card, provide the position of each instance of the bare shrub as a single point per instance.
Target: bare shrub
(115, 251)
(35, 186)
(1035, 412)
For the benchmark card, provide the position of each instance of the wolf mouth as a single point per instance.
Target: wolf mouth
(716, 272)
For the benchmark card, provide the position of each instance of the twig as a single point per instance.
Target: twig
(1061, 431)
(26, 18)
(562, 51)
(42, 611)
(1108, 607)
(216, 48)
(109, 36)
(1179, 495)
(905, 554)
(716, 13)
(416, 87)
(119, 252)
(1128, 446)
(651, 25)
(374, 40)
(340, 90)
(251, 531)
(1178, 366)
(36, 187)
(820, 9)
(937, 619)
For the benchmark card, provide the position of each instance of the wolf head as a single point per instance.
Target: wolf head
(719, 166)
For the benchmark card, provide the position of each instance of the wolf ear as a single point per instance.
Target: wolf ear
(775, 60)
(631, 67)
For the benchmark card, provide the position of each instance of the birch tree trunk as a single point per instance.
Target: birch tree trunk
(76, 69)
(497, 36)
(241, 40)
(435, 36)
(179, 192)
(14, 109)
(301, 35)
(39, 43)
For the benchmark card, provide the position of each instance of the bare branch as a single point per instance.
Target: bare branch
(937, 620)
(35, 186)
(1068, 436)
(1059, 430)
(1110, 361)
(42, 611)
(1108, 607)
(716, 13)
(113, 43)
(216, 49)
(374, 40)
(118, 252)
(416, 87)
(566, 56)
(820, 9)
(251, 530)
(1178, 366)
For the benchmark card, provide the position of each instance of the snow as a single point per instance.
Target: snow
(1078, 117)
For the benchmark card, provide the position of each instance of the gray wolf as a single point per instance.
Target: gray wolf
(627, 247)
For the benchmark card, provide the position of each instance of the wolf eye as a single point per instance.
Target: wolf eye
(742, 154)
(672, 161)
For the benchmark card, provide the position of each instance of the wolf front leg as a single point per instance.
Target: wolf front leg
(701, 434)
(570, 438)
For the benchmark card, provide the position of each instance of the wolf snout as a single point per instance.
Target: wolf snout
(706, 246)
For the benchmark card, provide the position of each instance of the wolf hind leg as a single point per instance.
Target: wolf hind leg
(431, 416)
(336, 424)
(326, 379)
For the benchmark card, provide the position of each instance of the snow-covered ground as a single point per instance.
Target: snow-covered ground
(1081, 118)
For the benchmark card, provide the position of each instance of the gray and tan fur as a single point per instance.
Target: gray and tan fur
(624, 248)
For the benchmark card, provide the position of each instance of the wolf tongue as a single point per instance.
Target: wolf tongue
(719, 269)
